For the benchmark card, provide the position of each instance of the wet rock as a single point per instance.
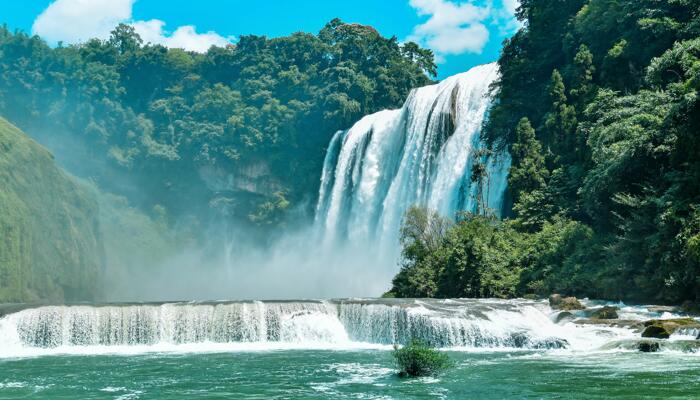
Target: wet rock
(654, 345)
(524, 341)
(648, 346)
(563, 316)
(664, 328)
(550, 343)
(606, 312)
(556, 301)
(656, 331)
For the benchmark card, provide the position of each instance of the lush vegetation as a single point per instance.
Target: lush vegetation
(598, 105)
(237, 134)
(418, 359)
(172, 146)
(50, 244)
(476, 257)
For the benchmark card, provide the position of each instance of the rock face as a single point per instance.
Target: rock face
(664, 328)
(605, 312)
(50, 245)
(557, 302)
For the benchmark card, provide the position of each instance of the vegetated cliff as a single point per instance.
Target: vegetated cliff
(598, 104)
(50, 246)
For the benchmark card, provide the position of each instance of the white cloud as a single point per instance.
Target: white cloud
(452, 28)
(455, 27)
(184, 37)
(74, 21)
(79, 20)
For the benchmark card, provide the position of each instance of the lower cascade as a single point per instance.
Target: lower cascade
(450, 323)
(422, 154)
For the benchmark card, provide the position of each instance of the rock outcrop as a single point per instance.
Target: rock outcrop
(557, 302)
(605, 312)
(664, 328)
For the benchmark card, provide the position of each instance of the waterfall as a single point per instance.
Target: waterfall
(421, 154)
(306, 324)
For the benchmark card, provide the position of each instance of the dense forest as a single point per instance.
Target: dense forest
(235, 134)
(169, 149)
(598, 105)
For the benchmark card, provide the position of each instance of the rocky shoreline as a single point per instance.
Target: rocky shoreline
(654, 334)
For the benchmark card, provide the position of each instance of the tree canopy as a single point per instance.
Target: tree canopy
(238, 132)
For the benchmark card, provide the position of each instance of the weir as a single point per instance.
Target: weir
(450, 323)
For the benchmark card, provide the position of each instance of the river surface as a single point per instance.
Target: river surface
(348, 374)
(338, 349)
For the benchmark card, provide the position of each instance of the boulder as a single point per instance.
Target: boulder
(648, 346)
(562, 316)
(556, 301)
(656, 331)
(664, 328)
(606, 312)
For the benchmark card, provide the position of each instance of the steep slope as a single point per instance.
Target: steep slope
(50, 248)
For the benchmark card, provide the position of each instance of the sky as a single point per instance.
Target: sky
(461, 33)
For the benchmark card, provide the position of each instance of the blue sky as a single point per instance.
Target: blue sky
(462, 33)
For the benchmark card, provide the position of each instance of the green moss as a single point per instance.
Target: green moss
(50, 247)
(664, 328)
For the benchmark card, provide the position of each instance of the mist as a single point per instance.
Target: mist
(298, 265)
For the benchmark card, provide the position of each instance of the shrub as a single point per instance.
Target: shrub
(420, 359)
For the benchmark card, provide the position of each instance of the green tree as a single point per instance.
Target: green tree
(528, 171)
(583, 89)
(560, 122)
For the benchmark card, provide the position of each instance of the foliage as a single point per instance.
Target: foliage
(614, 213)
(235, 134)
(50, 245)
(528, 172)
(418, 359)
(476, 257)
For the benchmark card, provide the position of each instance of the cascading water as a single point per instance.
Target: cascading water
(219, 326)
(421, 154)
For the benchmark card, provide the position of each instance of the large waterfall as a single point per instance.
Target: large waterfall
(421, 154)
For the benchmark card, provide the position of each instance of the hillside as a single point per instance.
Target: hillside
(50, 248)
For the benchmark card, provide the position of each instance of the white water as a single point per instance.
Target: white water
(463, 324)
(421, 154)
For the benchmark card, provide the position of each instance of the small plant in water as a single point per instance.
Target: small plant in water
(419, 359)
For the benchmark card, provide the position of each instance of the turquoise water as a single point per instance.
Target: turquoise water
(356, 374)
